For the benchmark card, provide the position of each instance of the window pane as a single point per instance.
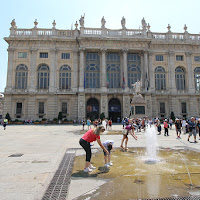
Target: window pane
(41, 107)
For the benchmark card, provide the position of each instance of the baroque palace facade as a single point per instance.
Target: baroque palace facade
(88, 71)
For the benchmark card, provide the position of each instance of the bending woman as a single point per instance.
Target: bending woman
(90, 136)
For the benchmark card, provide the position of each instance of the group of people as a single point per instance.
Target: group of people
(105, 122)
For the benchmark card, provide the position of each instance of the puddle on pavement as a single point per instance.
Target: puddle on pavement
(176, 173)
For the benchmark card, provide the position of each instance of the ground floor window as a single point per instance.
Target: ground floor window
(41, 108)
(19, 108)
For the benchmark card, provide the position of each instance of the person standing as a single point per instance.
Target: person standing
(83, 123)
(192, 129)
(108, 144)
(178, 128)
(89, 123)
(90, 136)
(183, 126)
(166, 126)
(170, 123)
(198, 127)
(158, 127)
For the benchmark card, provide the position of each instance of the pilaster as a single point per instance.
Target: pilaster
(81, 106)
(10, 70)
(190, 72)
(104, 104)
(32, 71)
(126, 106)
(125, 76)
(81, 69)
(75, 70)
(151, 72)
(103, 70)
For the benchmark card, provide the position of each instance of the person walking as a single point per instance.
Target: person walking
(183, 126)
(178, 128)
(166, 126)
(89, 123)
(90, 136)
(192, 129)
(198, 127)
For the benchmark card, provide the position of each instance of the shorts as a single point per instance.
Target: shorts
(192, 132)
(105, 152)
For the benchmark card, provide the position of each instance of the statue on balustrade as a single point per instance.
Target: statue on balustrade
(144, 24)
(103, 22)
(82, 20)
(136, 85)
(123, 22)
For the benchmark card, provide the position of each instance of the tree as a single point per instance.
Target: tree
(60, 116)
(102, 116)
(172, 116)
(8, 117)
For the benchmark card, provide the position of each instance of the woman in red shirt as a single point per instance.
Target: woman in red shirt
(91, 136)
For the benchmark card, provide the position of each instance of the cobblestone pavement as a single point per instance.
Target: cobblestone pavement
(31, 154)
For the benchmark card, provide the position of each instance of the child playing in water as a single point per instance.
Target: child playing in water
(108, 144)
(128, 129)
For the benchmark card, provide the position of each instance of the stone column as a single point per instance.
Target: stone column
(103, 75)
(190, 70)
(151, 73)
(32, 75)
(10, 70)
(171, 74)
(104, 104)
(81, 106)
(126, 105)
(81, 70)
(53, 75)
(125, 53)
(75, 70)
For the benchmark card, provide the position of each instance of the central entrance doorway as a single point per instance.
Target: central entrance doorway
(92, 109)
(114, 109)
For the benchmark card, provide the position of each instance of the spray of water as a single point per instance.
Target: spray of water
(151, 145)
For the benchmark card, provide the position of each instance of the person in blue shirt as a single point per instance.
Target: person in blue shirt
(192, 129)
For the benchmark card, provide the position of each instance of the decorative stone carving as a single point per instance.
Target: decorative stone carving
(36, 23)
(123, 22)
(81, 21)
(54, 24)
(103, 22)
(76, 25)
(13, 24)
(169, 28)
(137, 86)
(148, 28)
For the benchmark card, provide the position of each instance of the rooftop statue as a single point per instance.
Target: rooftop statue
(123, 22)
(103, 22)
(144, 24)
(82, 20)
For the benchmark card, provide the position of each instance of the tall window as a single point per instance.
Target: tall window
(197, 78)
(41, 108)
(21, 77)
(134, 70)
(113, 70)
(183, 107)
(180, 78)
(43, 76)
(65, 77)
(160, 79)
(162, 107)
(64, 107)
(19, 108)
(92, 71)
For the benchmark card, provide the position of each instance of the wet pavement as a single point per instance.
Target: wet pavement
(30, 156)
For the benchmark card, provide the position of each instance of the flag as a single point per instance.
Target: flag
(107, 80)
(123, 82)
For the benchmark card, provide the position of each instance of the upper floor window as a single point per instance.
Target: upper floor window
(113, 70)
(43, 76)
(43, 55)
(197, 58)
(160, 79)
(134, 69)
(92, 70)
(180, 78)
(65, 56)
(65, 77)
(22, 54)
(159, 58)
(197, 78)
(21, 77)
(179, 58)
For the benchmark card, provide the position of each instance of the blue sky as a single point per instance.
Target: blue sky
(156, 12)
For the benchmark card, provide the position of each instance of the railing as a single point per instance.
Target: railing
(104, 32)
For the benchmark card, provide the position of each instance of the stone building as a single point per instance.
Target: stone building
(1, 105)
(88, 71)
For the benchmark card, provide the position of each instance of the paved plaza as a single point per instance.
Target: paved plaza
(31, 154)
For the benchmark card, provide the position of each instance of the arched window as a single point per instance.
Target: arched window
(160, 78)
(43, 76)
(134, 70)
(21, 77)
(180, 78)
(113, 70)
(65, 77)
(197, 78)
(92, 71)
